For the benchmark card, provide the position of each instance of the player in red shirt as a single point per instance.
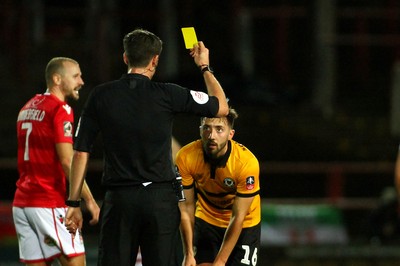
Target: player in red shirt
(45, 136)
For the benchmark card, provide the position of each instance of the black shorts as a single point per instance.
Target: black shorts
(142, 216)
(208, 239)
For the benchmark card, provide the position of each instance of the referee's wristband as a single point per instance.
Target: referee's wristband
(204, 68)
(73, 203)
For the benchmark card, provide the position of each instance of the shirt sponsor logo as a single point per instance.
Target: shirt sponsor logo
(250, 182)
(67, 129)
(34, 103)
(199, 97)
(222, 203)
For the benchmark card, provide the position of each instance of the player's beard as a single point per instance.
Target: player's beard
(73, 94)
(215, 151)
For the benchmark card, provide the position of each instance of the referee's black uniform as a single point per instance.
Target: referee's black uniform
(134, 116)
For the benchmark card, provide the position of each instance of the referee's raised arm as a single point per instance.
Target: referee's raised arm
(200, 54)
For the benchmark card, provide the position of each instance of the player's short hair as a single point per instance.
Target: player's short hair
(232, 115)
(56, 66)
(140, 46)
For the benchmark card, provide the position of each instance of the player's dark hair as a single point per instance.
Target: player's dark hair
(232, 115)
(140, 46)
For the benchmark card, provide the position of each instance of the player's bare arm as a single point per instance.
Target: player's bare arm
(73, 217)
(239, 210)
(187, 209)
(65, 152)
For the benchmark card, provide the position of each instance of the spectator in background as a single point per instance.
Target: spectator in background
(134, 116)
(221, 217)
(45, 132)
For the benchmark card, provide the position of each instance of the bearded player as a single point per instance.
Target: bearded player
(220, 219)
(45, 132)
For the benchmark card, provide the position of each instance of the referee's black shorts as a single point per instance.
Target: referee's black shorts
(145, 216)
(208, 239)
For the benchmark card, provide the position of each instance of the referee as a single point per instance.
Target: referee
(134, 116)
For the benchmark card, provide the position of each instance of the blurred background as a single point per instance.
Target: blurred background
(316, 84)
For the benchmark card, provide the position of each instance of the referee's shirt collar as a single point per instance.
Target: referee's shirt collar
(135, 75)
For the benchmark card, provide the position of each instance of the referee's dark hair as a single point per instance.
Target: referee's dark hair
(140, 46)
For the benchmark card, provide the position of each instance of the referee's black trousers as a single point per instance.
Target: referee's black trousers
(145, 216)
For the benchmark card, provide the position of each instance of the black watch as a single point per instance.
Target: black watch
(73, 203)
(206, 68)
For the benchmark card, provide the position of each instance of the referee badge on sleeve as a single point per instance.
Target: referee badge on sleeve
(199, 97)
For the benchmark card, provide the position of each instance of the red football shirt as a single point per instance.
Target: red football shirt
(43, 122)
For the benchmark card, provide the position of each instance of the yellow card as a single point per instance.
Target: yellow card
(189, 36)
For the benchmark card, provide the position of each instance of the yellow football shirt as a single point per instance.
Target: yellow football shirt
(216, 186)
